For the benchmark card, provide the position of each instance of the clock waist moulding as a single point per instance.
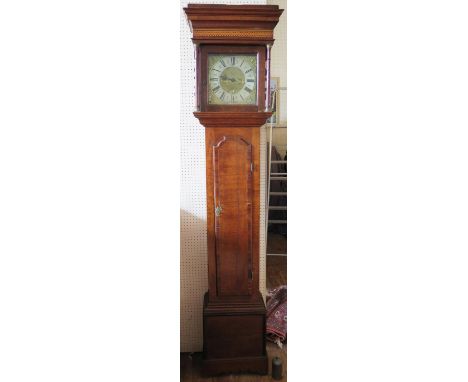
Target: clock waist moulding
(232, 46)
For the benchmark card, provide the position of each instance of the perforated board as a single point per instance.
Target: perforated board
(193, 250)
(278, 58)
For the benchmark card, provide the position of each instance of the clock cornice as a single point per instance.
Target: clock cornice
(232, 24)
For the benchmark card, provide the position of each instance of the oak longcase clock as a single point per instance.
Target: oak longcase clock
(232, 46)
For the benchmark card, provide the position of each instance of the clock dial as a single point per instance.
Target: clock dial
(232, 79)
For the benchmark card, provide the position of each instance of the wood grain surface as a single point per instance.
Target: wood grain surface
(190, 365)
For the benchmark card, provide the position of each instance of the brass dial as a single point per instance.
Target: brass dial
(232, 79)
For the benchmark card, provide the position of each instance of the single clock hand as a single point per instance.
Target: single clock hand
(226, 78)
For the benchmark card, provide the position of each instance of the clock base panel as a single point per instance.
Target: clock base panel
(234, 337)
(254, 365)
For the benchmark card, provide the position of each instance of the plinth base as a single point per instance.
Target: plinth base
(234, 337)
(254, 365)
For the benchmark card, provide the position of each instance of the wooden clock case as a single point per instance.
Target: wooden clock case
(233, 308)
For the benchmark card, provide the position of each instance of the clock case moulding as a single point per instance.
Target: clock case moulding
(233, 308)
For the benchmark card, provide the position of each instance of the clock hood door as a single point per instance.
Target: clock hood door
(232, 160)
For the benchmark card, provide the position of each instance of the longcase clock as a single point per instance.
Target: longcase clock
(232, 45)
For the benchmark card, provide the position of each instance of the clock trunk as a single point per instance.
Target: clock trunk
(233, 206)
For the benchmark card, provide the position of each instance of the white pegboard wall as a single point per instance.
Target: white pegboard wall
(278, 58)
(193, 250)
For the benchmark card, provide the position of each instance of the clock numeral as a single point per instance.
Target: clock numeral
(233, 61)
(215, 79)
(222, 96)
(222, 63)
(233, 98)
(241, 63)
(216, 70)
(248, 70)
(241, 97)
(216, 89)
(250, 80)
(249, 90)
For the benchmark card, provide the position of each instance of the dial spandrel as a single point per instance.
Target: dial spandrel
(232, 79)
